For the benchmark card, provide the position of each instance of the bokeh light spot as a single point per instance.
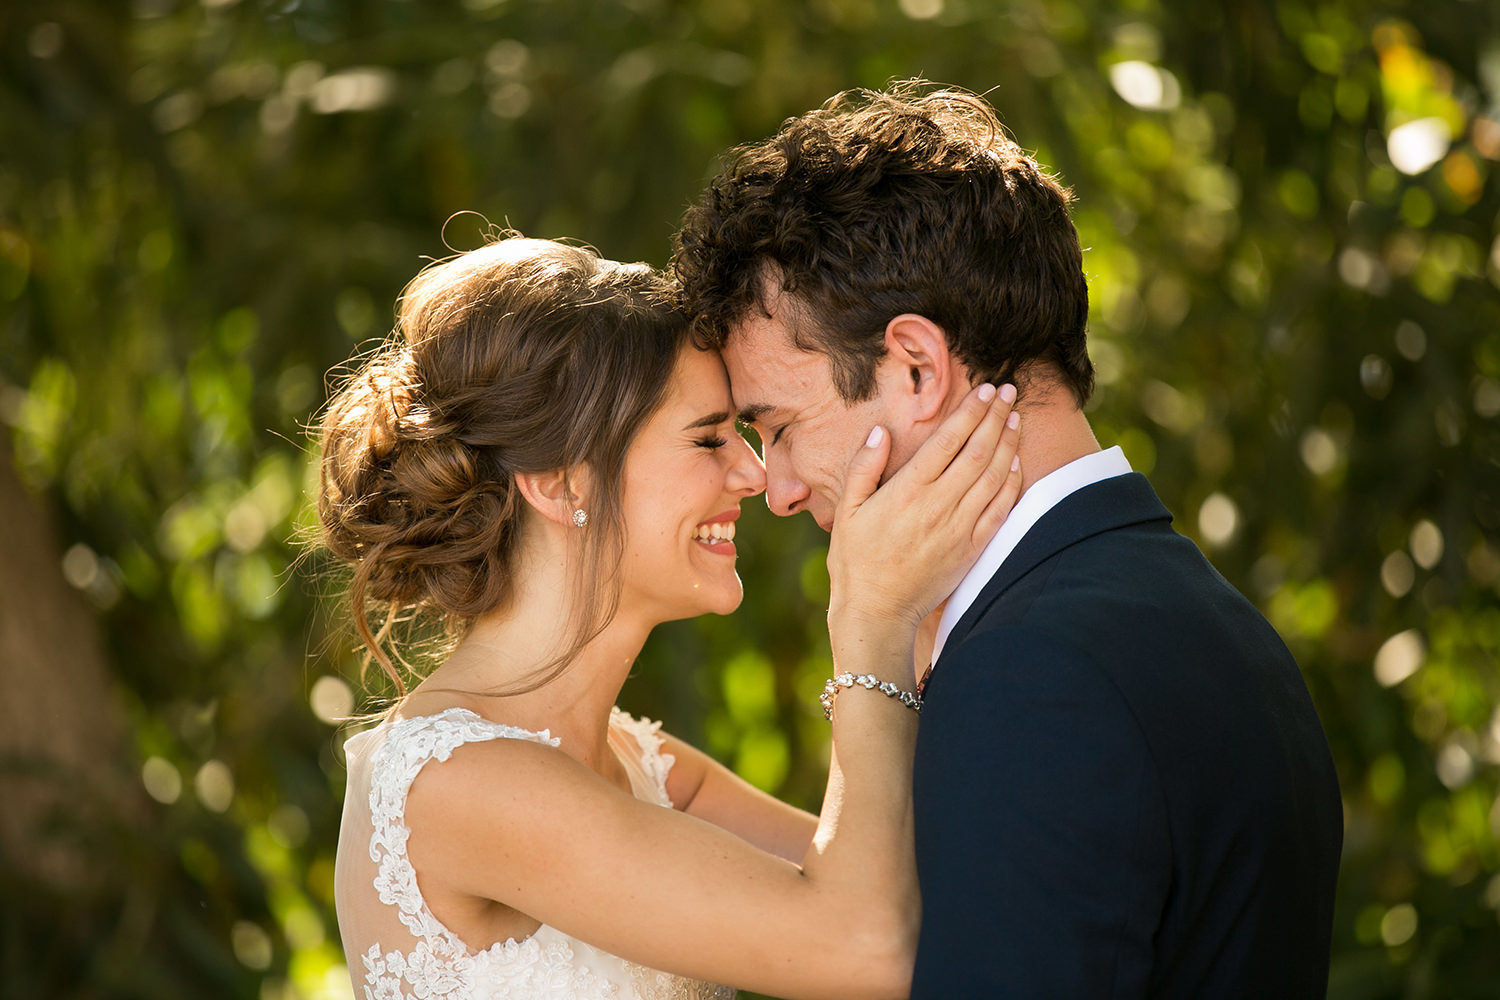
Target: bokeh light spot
(1145, 86)
(331, 699)
(1426, 544)
(1320, 452)
(214, 784)
(1411, 340)
(1399, 925)
(1399, 657)
(1397, 574)
(252, 945)
(921, 10)
(1455, 766)
(1417, 145)
(1218, 519)
(162, 780)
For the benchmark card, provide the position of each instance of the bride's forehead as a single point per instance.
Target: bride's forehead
(699, 375)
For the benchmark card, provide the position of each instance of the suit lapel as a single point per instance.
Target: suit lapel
(1103, 506)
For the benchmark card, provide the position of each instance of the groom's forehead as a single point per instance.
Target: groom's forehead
(766, 366)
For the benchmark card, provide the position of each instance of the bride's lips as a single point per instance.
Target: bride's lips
(717, 533)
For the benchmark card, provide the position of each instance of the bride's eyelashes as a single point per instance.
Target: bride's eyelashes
(712, 443)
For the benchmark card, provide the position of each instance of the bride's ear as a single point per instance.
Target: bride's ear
(555, 495)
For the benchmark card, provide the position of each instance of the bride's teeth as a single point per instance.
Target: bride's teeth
(719, 531)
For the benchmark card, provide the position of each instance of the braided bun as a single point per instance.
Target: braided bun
(521, 356)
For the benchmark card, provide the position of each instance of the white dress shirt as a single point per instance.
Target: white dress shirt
(1044, 494)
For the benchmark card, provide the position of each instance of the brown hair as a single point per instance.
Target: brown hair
(521, 356)
(882, 203)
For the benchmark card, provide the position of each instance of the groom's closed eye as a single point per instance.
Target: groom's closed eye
(756, 415)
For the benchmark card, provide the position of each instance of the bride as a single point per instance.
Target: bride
(543, 458)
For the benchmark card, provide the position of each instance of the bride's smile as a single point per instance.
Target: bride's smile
(717, 533)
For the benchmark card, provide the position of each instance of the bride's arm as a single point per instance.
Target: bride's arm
(700, 786)
(528, 826)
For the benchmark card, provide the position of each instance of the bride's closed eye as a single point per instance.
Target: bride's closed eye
(712, 443)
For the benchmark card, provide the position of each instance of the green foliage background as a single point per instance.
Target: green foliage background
(205, 206)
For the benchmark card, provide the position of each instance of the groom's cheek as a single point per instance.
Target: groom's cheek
(904, 444)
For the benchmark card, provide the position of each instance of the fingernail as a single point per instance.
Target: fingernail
(1015, 463)
(986, 393)
(1008, 393)
(1013, 421)
(875, 436)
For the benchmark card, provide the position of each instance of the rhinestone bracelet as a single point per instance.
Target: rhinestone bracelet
(870, 683)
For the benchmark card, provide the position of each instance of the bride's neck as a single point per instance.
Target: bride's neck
(504, 650)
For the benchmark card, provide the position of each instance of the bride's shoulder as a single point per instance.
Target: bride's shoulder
(412, 740)
(406, 751)
(470, 776)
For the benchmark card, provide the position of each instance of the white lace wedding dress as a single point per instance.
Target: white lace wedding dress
(406, 952)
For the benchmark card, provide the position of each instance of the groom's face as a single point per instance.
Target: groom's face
(808, 433)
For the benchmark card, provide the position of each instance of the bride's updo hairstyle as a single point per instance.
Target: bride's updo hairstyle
(523, 356)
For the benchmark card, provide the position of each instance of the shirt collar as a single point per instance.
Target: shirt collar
(1042, 496)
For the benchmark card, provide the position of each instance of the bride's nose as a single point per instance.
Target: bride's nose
(747, 474)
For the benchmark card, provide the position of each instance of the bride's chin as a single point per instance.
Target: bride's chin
(722, 602)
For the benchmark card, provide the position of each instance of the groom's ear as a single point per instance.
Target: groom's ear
(917, 355)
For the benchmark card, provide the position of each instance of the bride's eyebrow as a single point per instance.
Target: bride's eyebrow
(711, 420)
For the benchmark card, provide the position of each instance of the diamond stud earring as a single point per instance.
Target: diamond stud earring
(580, 517)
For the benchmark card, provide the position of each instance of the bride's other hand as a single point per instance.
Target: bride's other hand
(897, 550)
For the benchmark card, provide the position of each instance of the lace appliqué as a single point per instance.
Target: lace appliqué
(520, 970)
(654, 763)
(649, 984)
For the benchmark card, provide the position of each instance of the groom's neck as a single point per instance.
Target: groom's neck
(1054, 431)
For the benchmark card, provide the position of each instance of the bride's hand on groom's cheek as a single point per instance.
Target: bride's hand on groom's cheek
(897, 550)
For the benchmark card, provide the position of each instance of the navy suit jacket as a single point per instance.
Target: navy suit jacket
(1121, 788)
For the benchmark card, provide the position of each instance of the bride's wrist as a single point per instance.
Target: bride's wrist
(868, 613)
(871, 641)
(850, 632)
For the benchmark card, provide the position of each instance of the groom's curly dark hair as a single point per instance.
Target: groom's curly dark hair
(912, 199)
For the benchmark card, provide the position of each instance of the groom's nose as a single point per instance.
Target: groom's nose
(785, 493)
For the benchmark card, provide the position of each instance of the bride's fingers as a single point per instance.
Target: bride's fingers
(999, 508)
(980, 452)
(993, 447)
(938, 451)
(863, 476)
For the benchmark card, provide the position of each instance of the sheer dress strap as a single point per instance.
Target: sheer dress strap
(646, 753)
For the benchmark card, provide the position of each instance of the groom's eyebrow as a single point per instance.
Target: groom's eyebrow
(712, 420)
(754, 412)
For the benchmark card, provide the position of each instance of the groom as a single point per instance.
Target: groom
(1121, 787)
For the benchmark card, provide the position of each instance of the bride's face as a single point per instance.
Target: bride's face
(685, 476)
